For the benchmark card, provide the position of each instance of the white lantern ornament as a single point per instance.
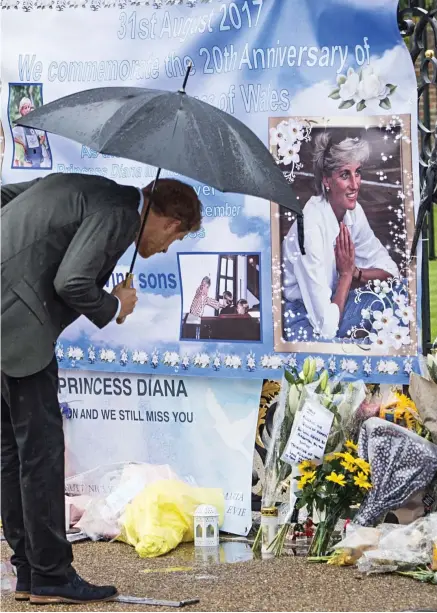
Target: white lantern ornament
(206, 529)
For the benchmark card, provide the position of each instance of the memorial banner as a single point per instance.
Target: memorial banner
(204, 430)
(330, 88)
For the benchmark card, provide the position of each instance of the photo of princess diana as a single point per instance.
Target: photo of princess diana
(351, 285)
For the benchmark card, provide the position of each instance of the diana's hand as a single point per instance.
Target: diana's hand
(345, 252)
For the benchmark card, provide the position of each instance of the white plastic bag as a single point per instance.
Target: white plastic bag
(402, 548)
(112, 488)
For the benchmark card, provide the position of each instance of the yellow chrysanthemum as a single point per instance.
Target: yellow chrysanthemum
(351, 467)
(403, 402)
(363, 465)
(306, 467)
(336, 478)
(338, 454)
(348, 457)
(329, 458)
(308, 477)
(351, 445)
(362, 481)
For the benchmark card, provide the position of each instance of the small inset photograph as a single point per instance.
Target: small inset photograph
(31, 147)
(221, 296)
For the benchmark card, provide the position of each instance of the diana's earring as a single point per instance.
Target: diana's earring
(327, 188)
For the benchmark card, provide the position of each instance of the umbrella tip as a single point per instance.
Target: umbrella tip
(187, 74)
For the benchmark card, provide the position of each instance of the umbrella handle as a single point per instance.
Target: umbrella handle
(127, 283)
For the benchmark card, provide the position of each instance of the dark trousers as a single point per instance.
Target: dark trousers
(32, 474)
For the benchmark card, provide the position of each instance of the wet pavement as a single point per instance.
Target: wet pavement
(231, 580)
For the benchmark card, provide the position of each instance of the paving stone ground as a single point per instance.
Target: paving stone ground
(285, 584)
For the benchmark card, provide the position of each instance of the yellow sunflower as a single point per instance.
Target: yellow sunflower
(351, 445)
(336, 478)
(362, 481)
(363, 465)
(306, 467)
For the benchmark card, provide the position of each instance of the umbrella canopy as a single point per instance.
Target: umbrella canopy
(169, 130)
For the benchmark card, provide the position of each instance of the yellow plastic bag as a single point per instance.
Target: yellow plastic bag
(161, 516)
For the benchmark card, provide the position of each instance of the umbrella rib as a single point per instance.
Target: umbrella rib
(217, 177)
(129, 118)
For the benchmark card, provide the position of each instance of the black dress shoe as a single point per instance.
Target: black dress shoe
(75, 591)
(22, 589)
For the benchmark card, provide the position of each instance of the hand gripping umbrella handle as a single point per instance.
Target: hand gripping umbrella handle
(127, 283)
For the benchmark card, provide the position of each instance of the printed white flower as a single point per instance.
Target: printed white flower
(366, 313)
(124, 356)
(382, 367)
(408, 366)
(295, 131)
(91, 355)
(155, 359)
(399, 336)
(399, 299)
(171, 358)
(140, 357)
(265, 361)
(185, 361)
(349, 366)
(348, 85)
(381, 287)
(391, 367)
(276, 362)
(236, 362)
(384, 320)
(228, 361)
(290, 153)
(217, 362)
(371, 87)
(250, 361)
(204, 360)
(110, 355)
(332, 365)
(320, 364)
(278, 135)
(367, 366)
(75, 353)
(292, 361)
(174, 358)
(406, 314)
(59, 352)
(380, 340)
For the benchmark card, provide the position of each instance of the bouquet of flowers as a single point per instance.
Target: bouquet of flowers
(333, 489)
(297, 391)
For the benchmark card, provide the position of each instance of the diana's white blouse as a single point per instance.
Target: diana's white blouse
(313, 277)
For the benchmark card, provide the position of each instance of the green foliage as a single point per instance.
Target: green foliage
(427, 4)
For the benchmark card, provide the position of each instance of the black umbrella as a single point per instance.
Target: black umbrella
(170, 130)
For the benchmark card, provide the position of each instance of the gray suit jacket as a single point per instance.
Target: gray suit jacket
(61, 238)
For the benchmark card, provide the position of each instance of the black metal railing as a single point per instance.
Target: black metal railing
(418, 25)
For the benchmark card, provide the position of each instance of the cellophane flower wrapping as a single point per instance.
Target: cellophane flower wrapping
(342, 398)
